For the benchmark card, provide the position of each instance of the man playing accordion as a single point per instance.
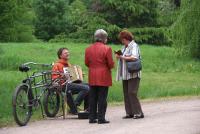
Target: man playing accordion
(76, 85)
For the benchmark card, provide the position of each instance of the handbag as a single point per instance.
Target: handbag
(134, 66)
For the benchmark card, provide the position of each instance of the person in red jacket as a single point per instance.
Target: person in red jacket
(99, 60)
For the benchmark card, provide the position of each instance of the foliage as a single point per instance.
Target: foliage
(83, 25)
(126, 13)
(51, 18)
(154, 36)
(16, 21)
(85, 33)
(92, 24)
(186, 30)
(168, 12)
(62, 20)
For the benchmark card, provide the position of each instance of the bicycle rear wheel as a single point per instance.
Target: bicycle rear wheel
(21, 105)
(51, 103)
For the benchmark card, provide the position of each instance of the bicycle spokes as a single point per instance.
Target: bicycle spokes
(52, 101)
(22, 106)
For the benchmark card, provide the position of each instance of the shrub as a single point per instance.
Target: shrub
(51, 18)
(151, 35)
(186, 30)
(85, 32)
(16, 21)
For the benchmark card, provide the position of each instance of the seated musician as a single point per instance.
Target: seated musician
(74, 87)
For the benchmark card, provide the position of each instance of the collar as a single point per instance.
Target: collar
(99, 43)
(64, 62)
(132, 42)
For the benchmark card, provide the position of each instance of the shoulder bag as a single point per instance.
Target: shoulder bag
(134, 66)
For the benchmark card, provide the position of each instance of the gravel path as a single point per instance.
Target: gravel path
(177, 116)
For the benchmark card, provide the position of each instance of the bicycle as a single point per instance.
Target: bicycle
(29, 93)
(26, 96)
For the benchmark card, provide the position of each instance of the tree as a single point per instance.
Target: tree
(51, 18)
(168, 12)
(126, 13)
(76, 15)
(186, 30)
(16, 20)
(177, 3)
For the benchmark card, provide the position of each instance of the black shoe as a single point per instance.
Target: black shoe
(92, 121)
(127, 117)
(138, 116)
(103, 121)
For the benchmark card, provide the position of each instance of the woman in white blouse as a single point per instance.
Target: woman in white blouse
(130, 81)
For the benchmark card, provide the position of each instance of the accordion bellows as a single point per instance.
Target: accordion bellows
(75, 71)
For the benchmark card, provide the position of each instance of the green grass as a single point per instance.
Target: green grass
(163, 75)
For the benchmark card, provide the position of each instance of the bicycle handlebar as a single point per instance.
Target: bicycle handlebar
(25, 68)
(33, 63)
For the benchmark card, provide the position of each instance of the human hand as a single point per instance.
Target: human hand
(117, 56)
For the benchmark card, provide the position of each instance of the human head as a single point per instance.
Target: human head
(125, 36)
(63, 53)
(100, 35)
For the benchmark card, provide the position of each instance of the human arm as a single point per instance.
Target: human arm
(86, 58)
(109, 57)
(127, 58)
(54, 70)
(132, 55)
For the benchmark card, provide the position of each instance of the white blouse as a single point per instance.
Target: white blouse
(132, 50)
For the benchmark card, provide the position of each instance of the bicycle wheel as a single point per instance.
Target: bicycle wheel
(51, 103)
(21, 105)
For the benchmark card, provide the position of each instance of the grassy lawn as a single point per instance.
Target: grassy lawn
(163, 75)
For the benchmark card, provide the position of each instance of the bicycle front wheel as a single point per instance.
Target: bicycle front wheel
(21, 105)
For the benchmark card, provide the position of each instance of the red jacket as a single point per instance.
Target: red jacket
(58, 67)
(98, 58)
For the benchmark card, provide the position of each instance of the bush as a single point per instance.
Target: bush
(51, 18)
(154, 36)
(126, 13)
(92, 24)
(168, 12)
(85, 32)
(16, 21)
(151, 35)
(186, 30)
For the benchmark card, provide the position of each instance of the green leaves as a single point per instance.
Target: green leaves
(51, 18)
(16, 21)
(126, 13)
(186, 30)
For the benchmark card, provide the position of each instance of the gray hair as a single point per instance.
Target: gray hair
(100, 35)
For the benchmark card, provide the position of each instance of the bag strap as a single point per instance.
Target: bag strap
(137, 50)
(124, 50)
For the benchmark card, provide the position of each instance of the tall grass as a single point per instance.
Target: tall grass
(163, 74)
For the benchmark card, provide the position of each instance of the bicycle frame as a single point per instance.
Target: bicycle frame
(38, 81)
(35, 86)
(41, 80)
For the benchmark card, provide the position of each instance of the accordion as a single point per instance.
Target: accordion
(76, 73)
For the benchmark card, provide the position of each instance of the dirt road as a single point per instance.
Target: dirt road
(161, 117)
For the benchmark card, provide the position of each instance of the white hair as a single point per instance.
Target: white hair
(100, 35)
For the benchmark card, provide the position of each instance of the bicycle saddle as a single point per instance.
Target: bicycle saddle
(24, 68)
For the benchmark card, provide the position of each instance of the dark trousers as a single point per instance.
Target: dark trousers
(98, 102)
(130, 89)
(82, 91)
